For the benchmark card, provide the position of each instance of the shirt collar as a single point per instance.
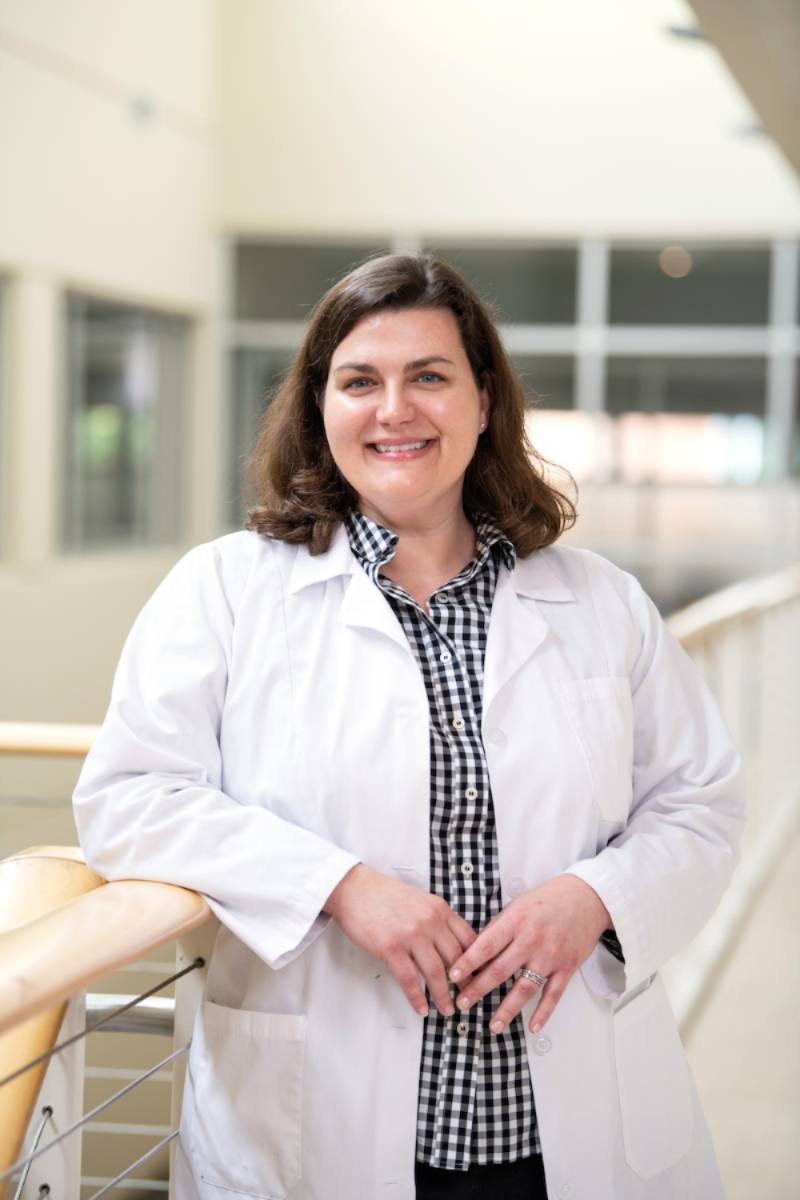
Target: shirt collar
(372, 543)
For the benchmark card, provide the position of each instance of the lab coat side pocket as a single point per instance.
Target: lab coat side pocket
(655, 1090)
(248, 1101)
(600, 711)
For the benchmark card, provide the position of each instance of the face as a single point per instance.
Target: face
(402, 413)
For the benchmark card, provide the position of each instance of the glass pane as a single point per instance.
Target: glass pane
(530, 286)
(256, 375)
(122, 477)
(283, 281)
(701, 384)
(689, 285)
(688, 420)
(549, 381)
(794, 457)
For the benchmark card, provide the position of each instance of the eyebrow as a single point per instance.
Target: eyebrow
(410, 366)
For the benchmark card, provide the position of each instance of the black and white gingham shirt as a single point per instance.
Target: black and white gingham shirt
(475, 1097)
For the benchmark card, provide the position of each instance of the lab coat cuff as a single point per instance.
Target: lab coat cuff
(308, 920)
(605, 974)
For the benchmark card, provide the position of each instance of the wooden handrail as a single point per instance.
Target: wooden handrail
(46, 740)
(49, 959)
(62, 928)
(704, 618)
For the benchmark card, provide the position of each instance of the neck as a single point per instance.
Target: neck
(430, 550)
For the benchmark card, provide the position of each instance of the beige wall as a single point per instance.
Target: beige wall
(108, 161)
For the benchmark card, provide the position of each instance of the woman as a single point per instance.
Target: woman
(444, 783)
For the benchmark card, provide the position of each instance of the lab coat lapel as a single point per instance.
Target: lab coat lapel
(517, 627)
(365, 606)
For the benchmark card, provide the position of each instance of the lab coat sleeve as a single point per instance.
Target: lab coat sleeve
(663, 875)
(149, 803)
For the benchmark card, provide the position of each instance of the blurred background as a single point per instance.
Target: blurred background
(180, 183)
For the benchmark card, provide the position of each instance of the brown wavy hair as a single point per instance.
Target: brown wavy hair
(298, 492)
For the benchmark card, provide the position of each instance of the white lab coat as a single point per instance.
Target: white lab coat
(268, 729)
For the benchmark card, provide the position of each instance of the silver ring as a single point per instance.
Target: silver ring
(539, 980)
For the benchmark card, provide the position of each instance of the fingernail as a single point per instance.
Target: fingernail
(455, 974)
(448, 1012)
(496, 1027)
(463, 1003)
(423, 1011)
(535, 1028)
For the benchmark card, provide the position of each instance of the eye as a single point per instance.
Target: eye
(430, 377)
(354, 384)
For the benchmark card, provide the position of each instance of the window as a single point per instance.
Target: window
(688, 420)
(283, 281)
(549, 380)
(256, 376)
(689, 285)
(126, 371)
(525, 285)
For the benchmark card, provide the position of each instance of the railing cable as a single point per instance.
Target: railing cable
(37, 1152)
(47, 1113)
(198, 962)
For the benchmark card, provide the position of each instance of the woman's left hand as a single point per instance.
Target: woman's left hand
(550, 930)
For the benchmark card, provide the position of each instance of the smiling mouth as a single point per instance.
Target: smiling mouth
(400, 447)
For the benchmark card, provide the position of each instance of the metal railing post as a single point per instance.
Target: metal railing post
(199, 943)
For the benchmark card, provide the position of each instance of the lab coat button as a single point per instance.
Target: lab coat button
(497, 737)
(516, 886)
(542, 1045)
(471, 793)
(566, 1191)
(458, 723)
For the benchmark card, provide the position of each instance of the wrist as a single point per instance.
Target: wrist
(339, 894)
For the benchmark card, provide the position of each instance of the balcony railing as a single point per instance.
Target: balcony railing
(62, 927)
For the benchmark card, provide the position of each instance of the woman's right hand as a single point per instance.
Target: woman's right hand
(415, 933)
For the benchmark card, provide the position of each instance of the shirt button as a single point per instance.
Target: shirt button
(445, 656)
(458, 723)
(441, 598)
(462, 1028)
(467, 868)
(471, 793)
(542, 1044)
(497, 737)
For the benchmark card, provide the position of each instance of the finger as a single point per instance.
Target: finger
(497, 972)
(556, 986)
(522, 991)
(433, 970)
(448, 947)
(487, 945)
(406, 974)
(465, 934)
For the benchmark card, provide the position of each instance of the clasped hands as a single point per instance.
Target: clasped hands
(550, 929)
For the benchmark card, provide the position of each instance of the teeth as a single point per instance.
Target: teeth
(404, 446)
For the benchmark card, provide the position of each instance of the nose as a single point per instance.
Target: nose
(395, 406)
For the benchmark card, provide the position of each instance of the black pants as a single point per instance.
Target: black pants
(520, 1180)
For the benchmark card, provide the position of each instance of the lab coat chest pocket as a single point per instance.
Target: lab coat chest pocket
(600, 711)
(655, 1092)
(248, 1094)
